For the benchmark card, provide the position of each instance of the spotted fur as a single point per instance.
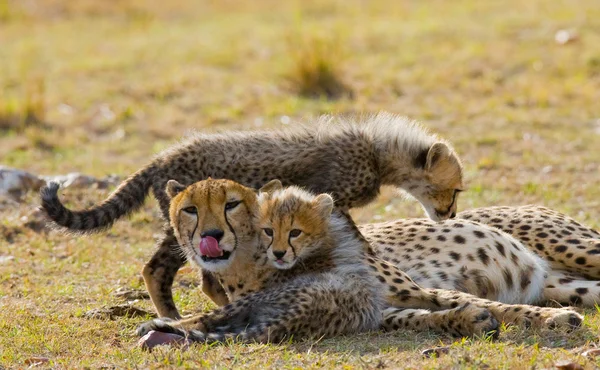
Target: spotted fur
(524, 255)
(349, 160)
(260, 290)
(269, 304)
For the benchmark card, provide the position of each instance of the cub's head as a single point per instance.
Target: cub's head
(211, 219)
(441, 182)
(293, 223)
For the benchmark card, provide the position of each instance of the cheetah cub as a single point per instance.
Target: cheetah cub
(347, 159)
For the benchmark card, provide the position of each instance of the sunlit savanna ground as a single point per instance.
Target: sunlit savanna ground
(109, 83)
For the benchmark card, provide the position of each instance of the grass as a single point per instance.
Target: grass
(316, 70)
(29, 110)
(123, 80)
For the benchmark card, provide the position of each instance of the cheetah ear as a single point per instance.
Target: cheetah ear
(323, 203)
(271, 186)
(436, 154)
(174, 188)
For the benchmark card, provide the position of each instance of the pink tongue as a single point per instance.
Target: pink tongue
(209, 246)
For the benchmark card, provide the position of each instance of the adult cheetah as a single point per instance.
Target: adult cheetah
(350, 160)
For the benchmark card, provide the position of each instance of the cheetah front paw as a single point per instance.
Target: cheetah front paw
(160, 325)
(471, 320)
(563, 319)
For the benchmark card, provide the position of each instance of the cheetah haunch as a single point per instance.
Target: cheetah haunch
(528, 254)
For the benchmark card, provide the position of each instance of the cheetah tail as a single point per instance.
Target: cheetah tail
(127, 198)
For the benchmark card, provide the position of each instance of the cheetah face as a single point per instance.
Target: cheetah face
(212, 219)
(294, 223)
(441, 181)
(440, 204)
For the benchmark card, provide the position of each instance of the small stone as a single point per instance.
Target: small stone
(131, 294)
(16, 182)
(113, 312)
(73, 179)
(591, 353)
(36, 360)
(563, 37)
(568, 365)
(6, 259)
(157, 338)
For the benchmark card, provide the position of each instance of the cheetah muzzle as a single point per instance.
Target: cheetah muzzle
(224, 257)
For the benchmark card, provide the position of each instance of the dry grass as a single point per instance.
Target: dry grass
(124, 79)
(28, 110)
(316, 71)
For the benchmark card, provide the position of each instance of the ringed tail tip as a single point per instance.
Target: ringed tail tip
(50, 191)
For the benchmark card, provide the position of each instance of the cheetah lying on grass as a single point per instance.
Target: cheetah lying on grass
(479, 259)
(333, 285)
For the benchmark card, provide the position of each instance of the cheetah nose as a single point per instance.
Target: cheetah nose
(453, 214)
(215, 233)
(279, 254)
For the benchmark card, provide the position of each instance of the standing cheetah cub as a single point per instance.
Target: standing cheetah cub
(349, 160)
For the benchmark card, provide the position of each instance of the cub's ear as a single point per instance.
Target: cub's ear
(174, 188)
(436, 154)
(271, 186)
(323, 203)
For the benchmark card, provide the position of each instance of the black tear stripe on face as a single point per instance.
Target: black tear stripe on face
(270, 243)
(453, 201)
(449, 209)
(293, 249)
(231, 229)
(191, 235)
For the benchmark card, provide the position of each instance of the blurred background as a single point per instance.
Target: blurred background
(100, 86)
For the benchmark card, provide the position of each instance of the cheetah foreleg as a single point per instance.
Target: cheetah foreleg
(515, 314)
(159, 274)
(467, 320)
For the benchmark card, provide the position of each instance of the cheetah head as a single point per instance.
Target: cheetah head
(293, 222)
(440, 182)
(212, 219)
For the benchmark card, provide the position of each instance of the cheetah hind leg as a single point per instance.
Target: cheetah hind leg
(577, 255)
(403, 292)
(464, 321)
(565, 288)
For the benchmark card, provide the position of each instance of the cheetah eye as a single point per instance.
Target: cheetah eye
(191, 210)
(268, 231)
(231, 205)
(295, 233)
